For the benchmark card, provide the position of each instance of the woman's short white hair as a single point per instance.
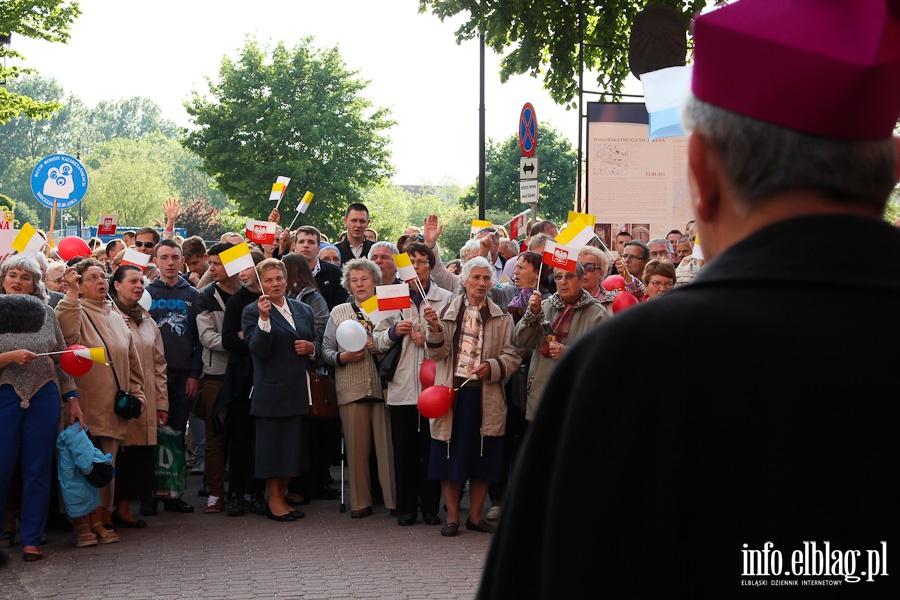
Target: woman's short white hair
(475, 263)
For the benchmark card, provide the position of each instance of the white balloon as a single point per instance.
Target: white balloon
(146, 300)
(351, 335)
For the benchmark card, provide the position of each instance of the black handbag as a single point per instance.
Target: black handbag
(389, 361)
(126, 404)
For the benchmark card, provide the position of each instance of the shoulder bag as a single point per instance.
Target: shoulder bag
(126, 405)
(322, 396)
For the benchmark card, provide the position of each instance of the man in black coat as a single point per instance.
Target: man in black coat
(307, 240)
(355, 245)
(773, 465)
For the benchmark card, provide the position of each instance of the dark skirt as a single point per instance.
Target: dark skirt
(279, 447)
(135, 472)
(467, 459)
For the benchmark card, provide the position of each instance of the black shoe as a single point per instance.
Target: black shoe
(286, 518)
(234, 507)
(431, 518)
(326, 493)
(203, 492)
(482, 526)
(450, 529)
(177, 505)
(298, 514)
(149, 508)
(258, 504)
(290, 502)
(406, 520)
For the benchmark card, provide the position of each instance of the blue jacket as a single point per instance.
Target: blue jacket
(77, 456)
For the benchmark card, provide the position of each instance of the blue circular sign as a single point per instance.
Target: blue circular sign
(59, 179)
(527, 130)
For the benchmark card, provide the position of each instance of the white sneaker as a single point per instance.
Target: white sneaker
(494, 513)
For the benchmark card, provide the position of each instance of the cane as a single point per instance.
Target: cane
(343, 454)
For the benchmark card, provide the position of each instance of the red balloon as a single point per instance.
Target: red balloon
(623, 300)
(435, 401)
(426, 373)
(72, 246)
(613, 282)
(75, 365)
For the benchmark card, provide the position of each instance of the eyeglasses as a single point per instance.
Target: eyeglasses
(143, 244)
(566, 276)
(590, 267)
(419, 263)
(93, 278)
(627, 257)
(415, 238)
(660, 284)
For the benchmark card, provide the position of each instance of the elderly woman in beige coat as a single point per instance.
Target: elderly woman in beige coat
(86, 317)
(137, 478)
(471, 342)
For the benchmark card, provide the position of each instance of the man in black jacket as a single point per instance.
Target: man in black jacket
(772, 467)
(307, 240)
(356, 244)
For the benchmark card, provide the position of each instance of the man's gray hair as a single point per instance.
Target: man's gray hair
(384, 244)
(762, 160)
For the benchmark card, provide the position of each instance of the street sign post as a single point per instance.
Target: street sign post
(529, 163)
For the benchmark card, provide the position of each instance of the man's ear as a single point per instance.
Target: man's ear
(703, 176)
(897, 166)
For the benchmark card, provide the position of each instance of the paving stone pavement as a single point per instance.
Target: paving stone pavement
(326, 555)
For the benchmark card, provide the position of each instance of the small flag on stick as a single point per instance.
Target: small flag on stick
(305, 201)
(405, 270)
(518, 224)
(236, 259)
(578, 232)
(370, 308)
(697, 252)
(261, 232)
(479, 225)
(557, 255)
(28, 240)
(136, 259)
(279, 187)
(393, 297)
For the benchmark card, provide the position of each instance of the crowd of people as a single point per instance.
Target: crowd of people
(227, 359)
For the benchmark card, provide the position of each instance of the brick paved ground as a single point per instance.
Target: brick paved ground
(325, 555)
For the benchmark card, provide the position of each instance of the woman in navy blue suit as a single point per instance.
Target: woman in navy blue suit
(281, 335)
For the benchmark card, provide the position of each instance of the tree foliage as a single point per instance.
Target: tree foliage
(296, 113)
(81, 131)
(540, 37)
(199, 217)
(558, 164)
(44, 20)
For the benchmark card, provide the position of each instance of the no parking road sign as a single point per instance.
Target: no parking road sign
(528, 134)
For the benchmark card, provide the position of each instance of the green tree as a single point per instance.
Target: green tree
(543, 35)
(23, 214)
(558, 164)
(393, 209)
(44, 20)
(131, 118)
(297, 113)
(198, 217)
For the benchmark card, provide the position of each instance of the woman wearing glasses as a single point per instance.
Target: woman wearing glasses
(552, 325)
(659, 278)
(86, 317)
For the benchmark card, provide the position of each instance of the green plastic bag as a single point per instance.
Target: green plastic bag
(170, 466)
